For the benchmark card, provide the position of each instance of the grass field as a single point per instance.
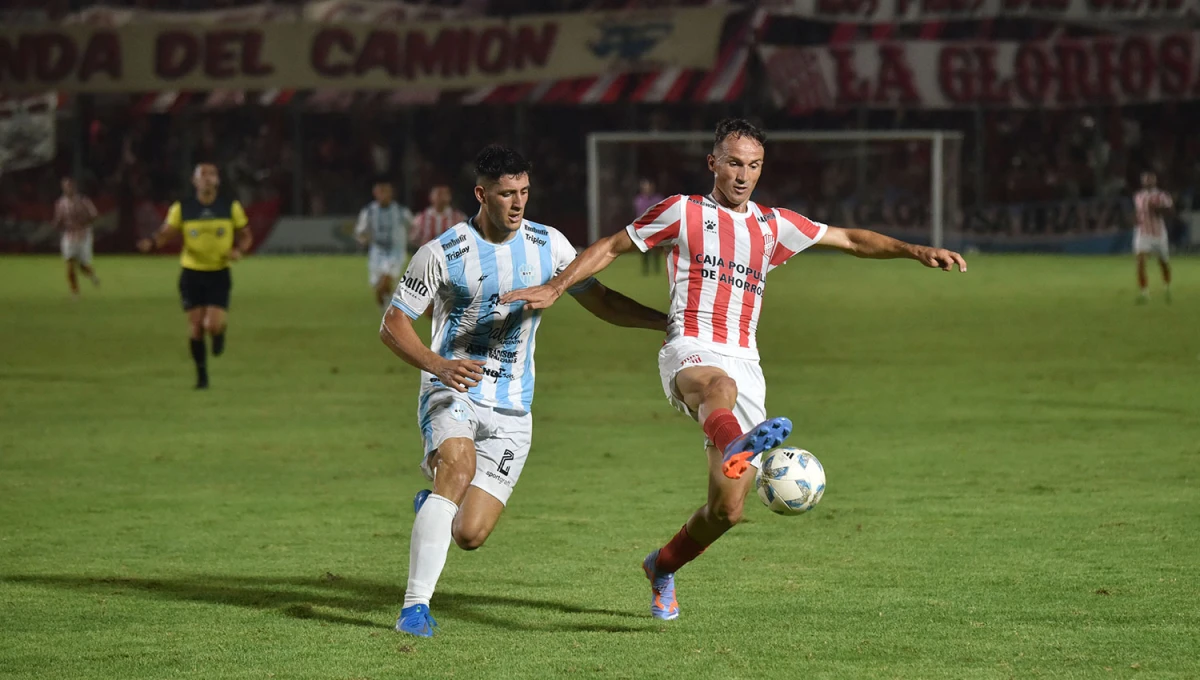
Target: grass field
(1013, 459)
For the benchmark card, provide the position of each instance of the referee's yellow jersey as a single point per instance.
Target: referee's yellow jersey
(207, 231)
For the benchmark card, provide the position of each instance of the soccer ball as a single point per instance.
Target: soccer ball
(790, 481)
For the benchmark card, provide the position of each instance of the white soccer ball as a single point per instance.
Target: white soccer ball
(791, 481)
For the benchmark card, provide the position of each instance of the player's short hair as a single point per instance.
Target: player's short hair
(738, 128)
(381, 179)
(496, 161)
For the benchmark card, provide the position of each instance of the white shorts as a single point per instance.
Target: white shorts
(502, 437)
(381, 263)
(1158, 245)
(79, 249)
(681, 353)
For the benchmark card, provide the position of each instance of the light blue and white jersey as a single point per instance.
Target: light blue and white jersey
(387, 226)
(463, 276)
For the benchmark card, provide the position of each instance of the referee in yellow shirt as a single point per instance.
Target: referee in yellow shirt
(208, 223)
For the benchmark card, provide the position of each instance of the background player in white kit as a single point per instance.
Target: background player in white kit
(1151, 206)
(436, 219)
(477, 375)
(721, 247)
(74, 214)
(383, 226)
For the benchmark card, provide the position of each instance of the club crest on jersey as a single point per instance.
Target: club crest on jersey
(195, 233)
(528, 276)
(769, 243)
(220, 231)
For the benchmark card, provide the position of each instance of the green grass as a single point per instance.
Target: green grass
(1013, 460)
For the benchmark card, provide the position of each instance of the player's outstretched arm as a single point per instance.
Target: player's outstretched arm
(397, 333)
(156, 240)
(870, 244)
(609, 305)
(597, 256)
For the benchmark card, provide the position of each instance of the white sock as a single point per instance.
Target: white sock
(431, 536)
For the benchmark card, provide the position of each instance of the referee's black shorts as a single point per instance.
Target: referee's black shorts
(204, 289)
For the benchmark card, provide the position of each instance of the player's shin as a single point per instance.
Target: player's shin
(431, 537)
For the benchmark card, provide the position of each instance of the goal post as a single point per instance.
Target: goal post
(904, 183)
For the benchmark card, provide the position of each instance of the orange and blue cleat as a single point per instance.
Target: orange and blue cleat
(762, 437)
(663, 604)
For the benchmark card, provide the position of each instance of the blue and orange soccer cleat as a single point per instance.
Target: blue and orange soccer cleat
(416, 620)
(419, 499)
(762, 437)
(663, 604)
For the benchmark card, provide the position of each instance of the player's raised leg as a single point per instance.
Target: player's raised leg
(195, 318)
(710, 392)
(454, 465)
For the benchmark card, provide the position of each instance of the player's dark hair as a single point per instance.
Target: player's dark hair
(496, 161)
(381, 179)
(738, 128)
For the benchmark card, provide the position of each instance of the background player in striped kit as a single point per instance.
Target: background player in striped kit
(477, 374)
(383, 227)
(721, 247)
(436, 219)
(74, 214)
(1151, 208)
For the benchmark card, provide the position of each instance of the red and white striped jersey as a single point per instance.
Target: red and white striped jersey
(432, 223)
(1145, 203)
(718, 264)
(74, 214)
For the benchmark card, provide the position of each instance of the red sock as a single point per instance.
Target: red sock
(722, 427)
(677, 552)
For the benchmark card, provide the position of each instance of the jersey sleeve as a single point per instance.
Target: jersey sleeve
(793, 233)
(658, 226)
(1164, 201)
(425, 274)
(238, 215)
(174, 218)
(563, 254)
(360, 227)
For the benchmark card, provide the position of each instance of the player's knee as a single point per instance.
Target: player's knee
(470, 538)
(726, 511)
(721, 388)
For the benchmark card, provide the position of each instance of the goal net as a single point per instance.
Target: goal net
(901, 183)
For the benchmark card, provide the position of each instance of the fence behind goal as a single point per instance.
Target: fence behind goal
(902, 183)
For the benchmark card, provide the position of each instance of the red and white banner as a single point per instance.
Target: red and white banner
(1127, 69)
(900, 11)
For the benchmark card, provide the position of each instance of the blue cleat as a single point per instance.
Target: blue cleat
(663, 604)
(419, 499)
(762, 437)
(416, 620)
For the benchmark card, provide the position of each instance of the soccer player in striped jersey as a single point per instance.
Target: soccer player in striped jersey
(1151, 206)
(477, 373)
(383, 226)
(436, 219)
(721, 247)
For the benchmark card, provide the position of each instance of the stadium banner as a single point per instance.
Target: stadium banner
(1102, 225)
(292, 235)
(27, 131)
(1132, 68)
(901, 11)
(139, 57)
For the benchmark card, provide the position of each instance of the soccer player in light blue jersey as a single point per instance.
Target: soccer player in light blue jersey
(477, 372)
(383, 227)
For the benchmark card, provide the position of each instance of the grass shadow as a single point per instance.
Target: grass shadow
(308, 598)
